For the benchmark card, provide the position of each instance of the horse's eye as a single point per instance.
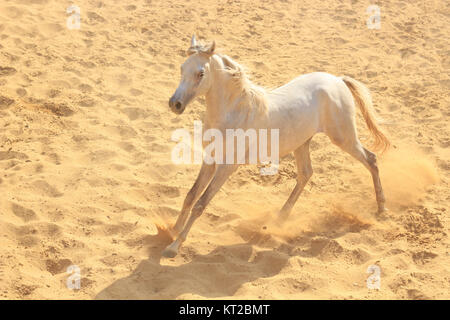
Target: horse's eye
(201, 74)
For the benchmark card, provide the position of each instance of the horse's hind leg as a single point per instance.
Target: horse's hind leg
(373, 168)
(304, 173)
(369, 160)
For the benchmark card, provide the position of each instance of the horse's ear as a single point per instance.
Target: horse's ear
(231, 67)
(193, 41)
(210, 50)
(229, 64)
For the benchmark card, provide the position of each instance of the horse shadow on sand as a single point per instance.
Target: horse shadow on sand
(219, 273)
(223, 271)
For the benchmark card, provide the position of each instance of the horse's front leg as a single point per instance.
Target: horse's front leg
(204, 177)
(221, 175)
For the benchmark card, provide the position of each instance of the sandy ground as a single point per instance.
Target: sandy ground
(85, 166)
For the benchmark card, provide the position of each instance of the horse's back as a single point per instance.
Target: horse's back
(310, 83)
(311, 90)
(308, 104)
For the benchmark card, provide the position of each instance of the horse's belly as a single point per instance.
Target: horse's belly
(296, 122)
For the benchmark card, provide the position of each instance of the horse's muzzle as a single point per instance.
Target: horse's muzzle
(176, 106)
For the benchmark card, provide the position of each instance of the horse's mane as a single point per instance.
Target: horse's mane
(250, 95)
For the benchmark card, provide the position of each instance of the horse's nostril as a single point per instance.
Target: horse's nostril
(178, 105)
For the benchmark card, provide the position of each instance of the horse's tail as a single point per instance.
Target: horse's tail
(362, 98)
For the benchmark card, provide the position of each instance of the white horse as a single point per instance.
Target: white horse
(311, 103)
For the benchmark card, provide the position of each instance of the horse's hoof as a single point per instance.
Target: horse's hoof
(283, 215)
(169, 253)
(382, 210)
(381, 214)
(280, 221)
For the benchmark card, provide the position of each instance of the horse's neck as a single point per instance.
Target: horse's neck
(218, 103)
(223, 105)
(213, 107)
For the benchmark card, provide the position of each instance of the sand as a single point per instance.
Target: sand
(85, 153)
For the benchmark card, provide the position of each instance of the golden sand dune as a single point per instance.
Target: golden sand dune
(85, 153)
